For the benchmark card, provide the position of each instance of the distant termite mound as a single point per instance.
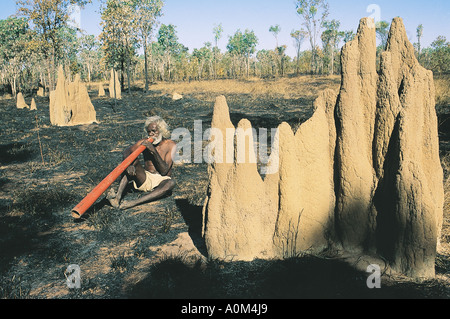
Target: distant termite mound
(70, 103)
(101, 90)
(20, 103)
(33, 106)
(40, 92)
(362, 176)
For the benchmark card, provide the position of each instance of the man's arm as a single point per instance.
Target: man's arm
(163, 164)
(131, 170)
(132, 148)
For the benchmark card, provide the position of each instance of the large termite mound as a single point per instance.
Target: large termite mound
(361, 176)
(70, 103)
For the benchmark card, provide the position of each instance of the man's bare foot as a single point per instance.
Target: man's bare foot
(113, 200)
(126, 205)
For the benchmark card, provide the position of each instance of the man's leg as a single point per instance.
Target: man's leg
(164, 189)
(135, 172)
(113, 197)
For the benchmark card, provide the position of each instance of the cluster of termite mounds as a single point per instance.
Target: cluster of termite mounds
(70, 103)
(362, 176)
(22, 104)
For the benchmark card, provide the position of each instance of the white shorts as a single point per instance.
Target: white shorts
(151, 182)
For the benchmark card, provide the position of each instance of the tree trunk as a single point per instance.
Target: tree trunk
(214, 70)
(122, 76)
(128, 76)
(89, 73)
(42, 78)
(53, 68)
(49, 74)
(248, 66)
(332, 61)
(145, 65)
(14, 86)
(168, 68)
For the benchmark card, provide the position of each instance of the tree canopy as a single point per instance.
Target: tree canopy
(41, 36)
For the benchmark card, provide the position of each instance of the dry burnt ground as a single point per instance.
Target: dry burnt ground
(155, 250)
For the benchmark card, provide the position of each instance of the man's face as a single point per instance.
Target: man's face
(153, 132)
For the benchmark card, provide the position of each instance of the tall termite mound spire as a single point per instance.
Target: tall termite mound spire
(362, 175)
(70, 103)
(83, 111)
(355, 115)
(409, 196)
(59, 107)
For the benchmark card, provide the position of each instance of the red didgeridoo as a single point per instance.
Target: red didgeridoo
(90, 199)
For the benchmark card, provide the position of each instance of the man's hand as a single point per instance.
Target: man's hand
(131, 170)
(149, 146)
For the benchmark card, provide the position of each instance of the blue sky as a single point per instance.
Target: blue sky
(195, 19)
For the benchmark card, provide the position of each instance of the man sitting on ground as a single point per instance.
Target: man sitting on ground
(154, 177)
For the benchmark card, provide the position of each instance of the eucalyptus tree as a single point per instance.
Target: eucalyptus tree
(275, 30)
(48, 18)
(90, 55)
(419, 31)
(382, 31)
(440, 55)
(69, 50)
(348, 36)
(330, 39)
(313, 13)
(217, 31)
(118, 36)
(157, 61)
(264, 62)
(14, 49)
(146, 17)
(241, 46)
(299, 36)
(168, 42)
(204, 58)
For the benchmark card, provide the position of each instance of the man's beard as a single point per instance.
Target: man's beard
(157, 139)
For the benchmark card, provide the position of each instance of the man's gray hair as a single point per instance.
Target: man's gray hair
(162, 125)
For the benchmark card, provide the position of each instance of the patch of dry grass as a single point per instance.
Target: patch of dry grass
(284, 88)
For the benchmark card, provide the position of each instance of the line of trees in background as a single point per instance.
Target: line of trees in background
(41, 36)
